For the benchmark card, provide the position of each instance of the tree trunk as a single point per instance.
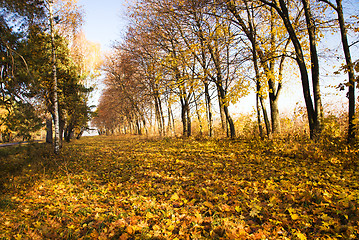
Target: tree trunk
(138, 126)
(56, 103)
(61, 131)
(273, 93)
(188, 116)
(171, 120)
(183, 117)
(68, 133)
(260, 128)
(199, 119)
(80, 133)
(169, 125)
(208, 109)
(222, 114)
(258, 84)
(314, 121)
(158, 116)
(228, 118)
(48, 130)
(162, 118)
(314, 67)
(350, 69)
(274, 111)
(265, 116)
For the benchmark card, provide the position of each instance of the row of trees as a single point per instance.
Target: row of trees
(193, 53)
(45, 64)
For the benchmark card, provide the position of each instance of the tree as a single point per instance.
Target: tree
(349, 68)
(56, 117)
(48, 31)
(15, 99)
(73, 109)
(314, 110)
(22, 119)
(125, 91)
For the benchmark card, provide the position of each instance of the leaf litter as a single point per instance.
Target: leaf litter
(138, 188)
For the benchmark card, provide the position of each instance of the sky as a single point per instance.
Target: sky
(104, 21)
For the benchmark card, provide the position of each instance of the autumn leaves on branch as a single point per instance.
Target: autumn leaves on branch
(192, 54)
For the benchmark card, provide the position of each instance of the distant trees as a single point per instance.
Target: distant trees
(196, 52)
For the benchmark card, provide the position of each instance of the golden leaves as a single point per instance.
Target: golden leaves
(184, 189)
(300, 235)
(174, 197)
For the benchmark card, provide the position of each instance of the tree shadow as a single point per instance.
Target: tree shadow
(21, 166)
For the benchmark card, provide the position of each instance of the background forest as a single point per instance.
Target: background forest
(184, 67)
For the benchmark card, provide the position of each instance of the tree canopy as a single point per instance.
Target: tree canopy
(26, 67)
(192, 54)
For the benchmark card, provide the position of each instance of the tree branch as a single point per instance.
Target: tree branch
(330, 4)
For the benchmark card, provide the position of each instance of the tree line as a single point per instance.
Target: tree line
(206, 55)
(46, 64)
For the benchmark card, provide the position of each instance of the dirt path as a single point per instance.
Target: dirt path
(19, 143)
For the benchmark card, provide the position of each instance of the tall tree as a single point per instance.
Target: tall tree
(268, 50)
(16, 17)
(314, 110)
(338, 7)
(56, 117)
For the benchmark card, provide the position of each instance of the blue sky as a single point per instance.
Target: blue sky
(104, 21)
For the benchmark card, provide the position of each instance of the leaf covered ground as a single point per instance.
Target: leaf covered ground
(137, 188)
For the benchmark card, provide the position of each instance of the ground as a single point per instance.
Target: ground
(132, 187)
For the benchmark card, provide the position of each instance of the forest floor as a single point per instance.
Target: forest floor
(19, 143)
(142, 188)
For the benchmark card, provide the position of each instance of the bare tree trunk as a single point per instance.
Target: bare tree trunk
(138, 125)
(183, 117)
(273, 92)
(228, 118)
(48, 130)
(56, 103)
(265, 116)
(188, 116)
(171, 120)
(260, 128)
(314, 66)
(158, 116)
(169, 125)
(349, 67)
(62, 127)
(199, 118)
(208, 109)
(274, 111)
(222, 114)
(162, 118)
(259, 87)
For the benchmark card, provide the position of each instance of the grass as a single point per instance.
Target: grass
(137, 188)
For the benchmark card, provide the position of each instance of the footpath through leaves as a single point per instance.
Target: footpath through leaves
(133, 188)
